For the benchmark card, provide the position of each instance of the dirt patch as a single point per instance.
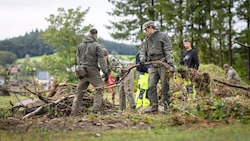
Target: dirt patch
(101, 122)
(81, 122)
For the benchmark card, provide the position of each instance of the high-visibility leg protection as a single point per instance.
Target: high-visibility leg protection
(141, 93)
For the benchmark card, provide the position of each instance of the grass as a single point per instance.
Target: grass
(5, 100)
(226, 133)
(37, 59)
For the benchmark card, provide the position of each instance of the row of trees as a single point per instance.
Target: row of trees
(30, 44)
(213, 26)
(7, 58)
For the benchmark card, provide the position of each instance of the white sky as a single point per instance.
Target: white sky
(22, 16)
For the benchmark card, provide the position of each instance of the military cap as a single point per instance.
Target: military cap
(147, 24)
(226, 66)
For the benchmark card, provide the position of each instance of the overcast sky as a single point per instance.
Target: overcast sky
(21, 16)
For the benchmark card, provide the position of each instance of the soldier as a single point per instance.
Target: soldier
(231, 74)
(126, 86)
(89, 55)
(157, 48)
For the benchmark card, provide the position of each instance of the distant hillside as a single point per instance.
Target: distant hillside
(33, 45)
(30, 44)
(121, 49)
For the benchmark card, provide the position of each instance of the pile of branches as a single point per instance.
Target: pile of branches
(56, 103)
(207, 104)
(200, 79)
(215, 100)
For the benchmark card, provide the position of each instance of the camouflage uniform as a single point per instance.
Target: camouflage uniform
(89, 55)
(232, 76)
(158, 47)
(126, 86)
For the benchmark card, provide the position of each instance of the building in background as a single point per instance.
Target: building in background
(44, 79)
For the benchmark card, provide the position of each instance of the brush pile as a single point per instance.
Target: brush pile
(210, 100)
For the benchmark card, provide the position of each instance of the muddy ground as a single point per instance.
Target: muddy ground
(100, 122)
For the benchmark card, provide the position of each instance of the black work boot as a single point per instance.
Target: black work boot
(152, 109)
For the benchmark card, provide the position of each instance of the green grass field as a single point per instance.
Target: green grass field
(5, 100)
(37, 59)
(235, 132)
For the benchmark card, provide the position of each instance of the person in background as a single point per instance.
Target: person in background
(141, 99)
(189, 57)
(126, 85)
(157, 48)
(231, 74)
(89, 57)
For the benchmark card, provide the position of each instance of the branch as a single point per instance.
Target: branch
(33, 113)
(241, 44)
(48, 104)
(38, 95)
(231, 85)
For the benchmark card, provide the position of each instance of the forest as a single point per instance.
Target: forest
(216, 27)
(33, 45)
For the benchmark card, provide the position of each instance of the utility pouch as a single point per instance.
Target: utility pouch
(81, 72)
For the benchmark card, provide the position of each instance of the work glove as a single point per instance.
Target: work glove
(117, 79)
(106, 77)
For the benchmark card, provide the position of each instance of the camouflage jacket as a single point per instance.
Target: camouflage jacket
(232, 75)
(90, 54)
(115, 65)
(157, 47)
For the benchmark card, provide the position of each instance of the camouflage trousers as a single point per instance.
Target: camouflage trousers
(93, 77)
(126, 92)
(156, 74)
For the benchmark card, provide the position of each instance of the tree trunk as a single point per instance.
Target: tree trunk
(209, 33)
(248, 53)
(230, 34)
(221, 54)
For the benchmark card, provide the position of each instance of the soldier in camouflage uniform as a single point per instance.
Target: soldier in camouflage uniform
(126, 86)
(89, 55)
(231, 74)
(157, 48)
